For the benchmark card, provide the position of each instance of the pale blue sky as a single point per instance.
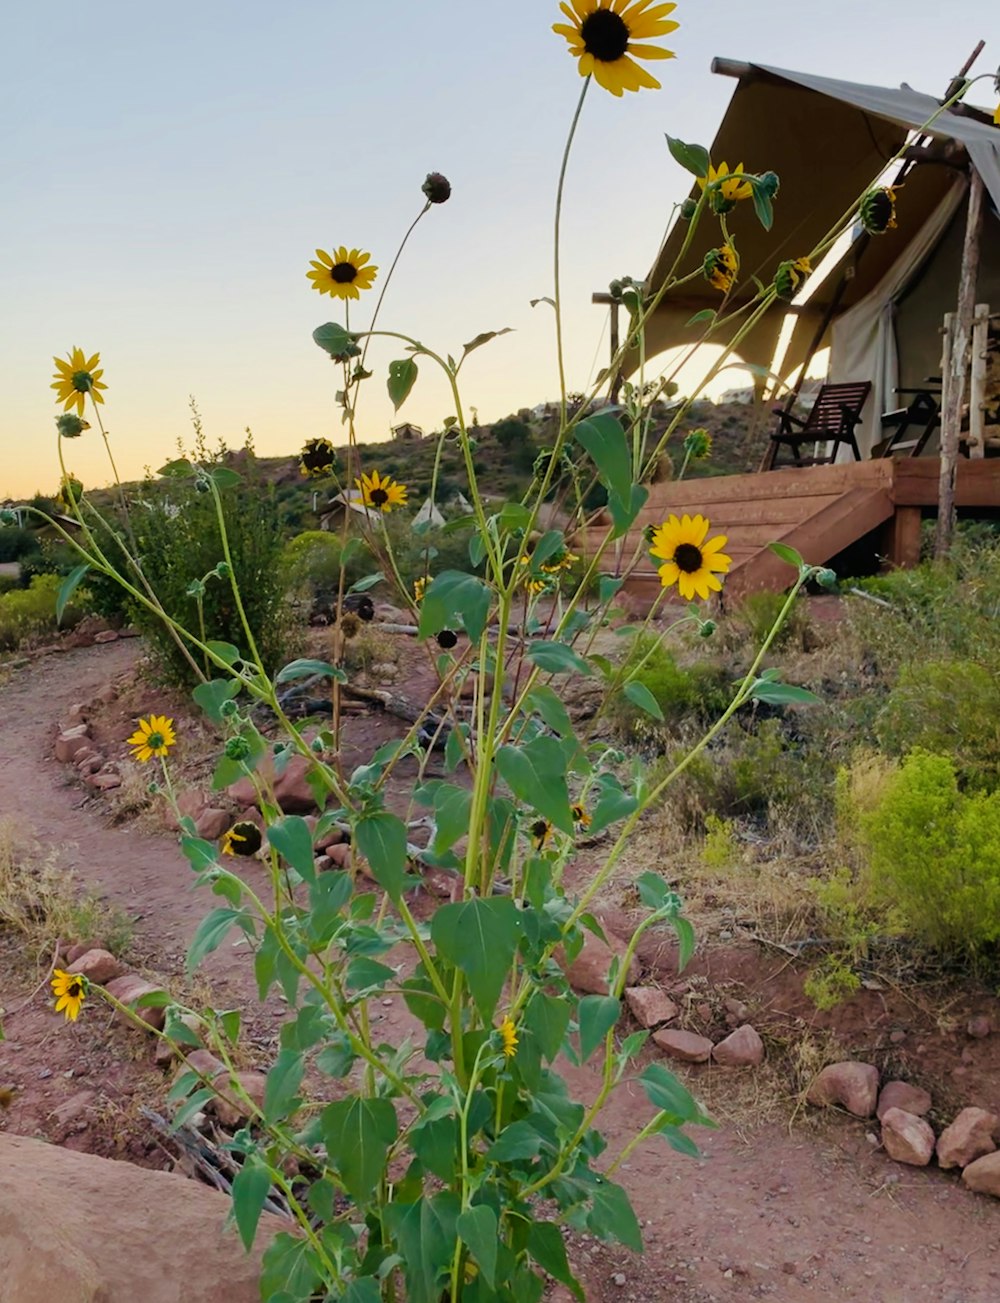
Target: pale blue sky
(169, 170)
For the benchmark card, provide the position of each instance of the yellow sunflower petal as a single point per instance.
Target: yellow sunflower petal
(669, 574)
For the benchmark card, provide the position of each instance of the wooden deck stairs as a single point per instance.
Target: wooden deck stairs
(818, 510)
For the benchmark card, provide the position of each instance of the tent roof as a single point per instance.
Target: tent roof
(826, 140)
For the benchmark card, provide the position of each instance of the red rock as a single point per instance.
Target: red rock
(340, 856)
(104, 782)
(79, 948)
(907, 1138)
(650, 1006)
(203, 1061)
(89, 762)
(686, 1046)
(743, 1048)
(333, 837)
(106, 635)
(71, 1108)
(970, 1136)
(71, 742)
(983, 1175)
(850, 1084)
(232, 1114)
(133, 1235)
(979, 1027)
(74, 717)
(106, 694)
(99, 965)
(212, 823)
(900, 1094)
(130, 988)
(291, 789)
(588, 972)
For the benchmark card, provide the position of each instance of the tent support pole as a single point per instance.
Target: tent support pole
(954, 379)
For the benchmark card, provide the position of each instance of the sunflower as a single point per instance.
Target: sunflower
(381, 492)
(790, 277)
(447, 639)
(698, 444)
(581, 817)
(563, 560)
(689, 561)
(317, 458)
(71, 426)
(153, 737)
(77, 378)
(730, 188)
(419, 588)
(721, 267)
(603, 34)
(508, 1035)
(878, 210)
(343, 273)
(69, 990)
(243, 838)
(541, 833)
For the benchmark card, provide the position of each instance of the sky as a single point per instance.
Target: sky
(168, 172)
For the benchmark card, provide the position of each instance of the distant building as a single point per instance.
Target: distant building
(407, 432)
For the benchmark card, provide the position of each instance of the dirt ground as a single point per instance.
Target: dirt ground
(784, 1204)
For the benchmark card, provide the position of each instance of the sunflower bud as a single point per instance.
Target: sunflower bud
(316, 746)
(71, 426)
(228, 709)
(768, 184)
(707, 628)
(8, 517)
(826, 578)
(790, 277)
(223, 570)
(447, 639)
(688, 209)
(698, 444)
(720, 267)
(238, 748)
(350, 625)
(878, 210)
(437, 188)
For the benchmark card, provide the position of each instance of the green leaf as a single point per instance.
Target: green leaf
(302, 669)
(479, 937)
(454, 593)
(291, 837)
(604, 439)
(548, 1248)
(154, 1000)
(212, 931)
(210, 696)
(177, 469)
(781, 694)
(706, 314)
(369, 581)
(452, 808)
(788, 554)
(224, 478)
(225, 651)
(607, 586)
(516, 1142)
(685, 940)
(283, 1081)
(68, 587)
(381, 839)
(482, 339)
(654, 892)
(547, 702)
(762, 204)
(365, 974)
(338, 1058)
(425, 1232)
(557, 658)
(596, 1014)
(336, 341)
(402, 378)
(357, 1133)
(613, 804)
(693, 158)
(435, 1143)
(535, 773)
(640, 696)
(251, 1187)
(193, 1104)
(665, 1092)
(611, 1216)
(624, 512)
(480, 1231)
(547, 1018)
(366, 1289)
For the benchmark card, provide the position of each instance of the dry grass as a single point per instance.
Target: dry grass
(41, 902)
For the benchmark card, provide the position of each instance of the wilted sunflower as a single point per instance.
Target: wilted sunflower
(878, 210)
(419, 588)
(317, 458)
(71, 426)
(721, 267)
(580, 816)
(731, 189)
(447, 639)
(508, 1035)
(342, 274)
(562, 560)
(698, 444)
(607, 36)
(790, 277)
(381, 492)
(77, 378)
(153, 737)
(69, 990)
(541, 833)
(243, 838)
(689, 561)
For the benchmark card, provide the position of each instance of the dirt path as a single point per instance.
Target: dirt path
(768, 1212)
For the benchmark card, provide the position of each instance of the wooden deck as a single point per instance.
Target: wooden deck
(818, 510)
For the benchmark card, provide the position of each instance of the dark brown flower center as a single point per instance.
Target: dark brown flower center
(379, 497)
(688, 558)
(344, 273)
(605, 35)
(74, 990)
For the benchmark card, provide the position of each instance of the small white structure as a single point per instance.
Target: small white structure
(428, 515)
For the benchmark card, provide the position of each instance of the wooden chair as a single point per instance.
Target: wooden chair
(919, 419)
(833, 419)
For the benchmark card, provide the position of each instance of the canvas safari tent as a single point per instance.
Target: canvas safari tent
(880, 308)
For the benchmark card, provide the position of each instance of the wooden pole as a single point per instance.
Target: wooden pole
(977, 381)
(954, 379)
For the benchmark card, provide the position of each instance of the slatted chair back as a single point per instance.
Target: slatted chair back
(828, 410)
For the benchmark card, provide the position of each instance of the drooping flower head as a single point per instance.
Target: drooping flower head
(342, 274)
(541, 834)
(317, 458)
(721, 267)
(608, 36)
(698, 444)
(447, 639)
(690, 560)
(790, 277)
(77, 378)
(581, 817)
(69, 990)
(381, 492)
(730, 190)
(419, 588)
(878, 210)
(154, 737)
(243, 838)
(437, 188)
(71, 426)
(508, 1036)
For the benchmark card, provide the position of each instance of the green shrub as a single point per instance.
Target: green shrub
(30, 613)
(16, 543)
(949, 707)
(758, 612)
(934, 855)
(831, 982)
(699, 691)
(313, 560)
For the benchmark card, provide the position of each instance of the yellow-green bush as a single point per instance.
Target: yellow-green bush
(934, 854)
(756, 616)
(698, 691)
(30, 613)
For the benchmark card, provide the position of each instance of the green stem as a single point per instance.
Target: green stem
(557, 234)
